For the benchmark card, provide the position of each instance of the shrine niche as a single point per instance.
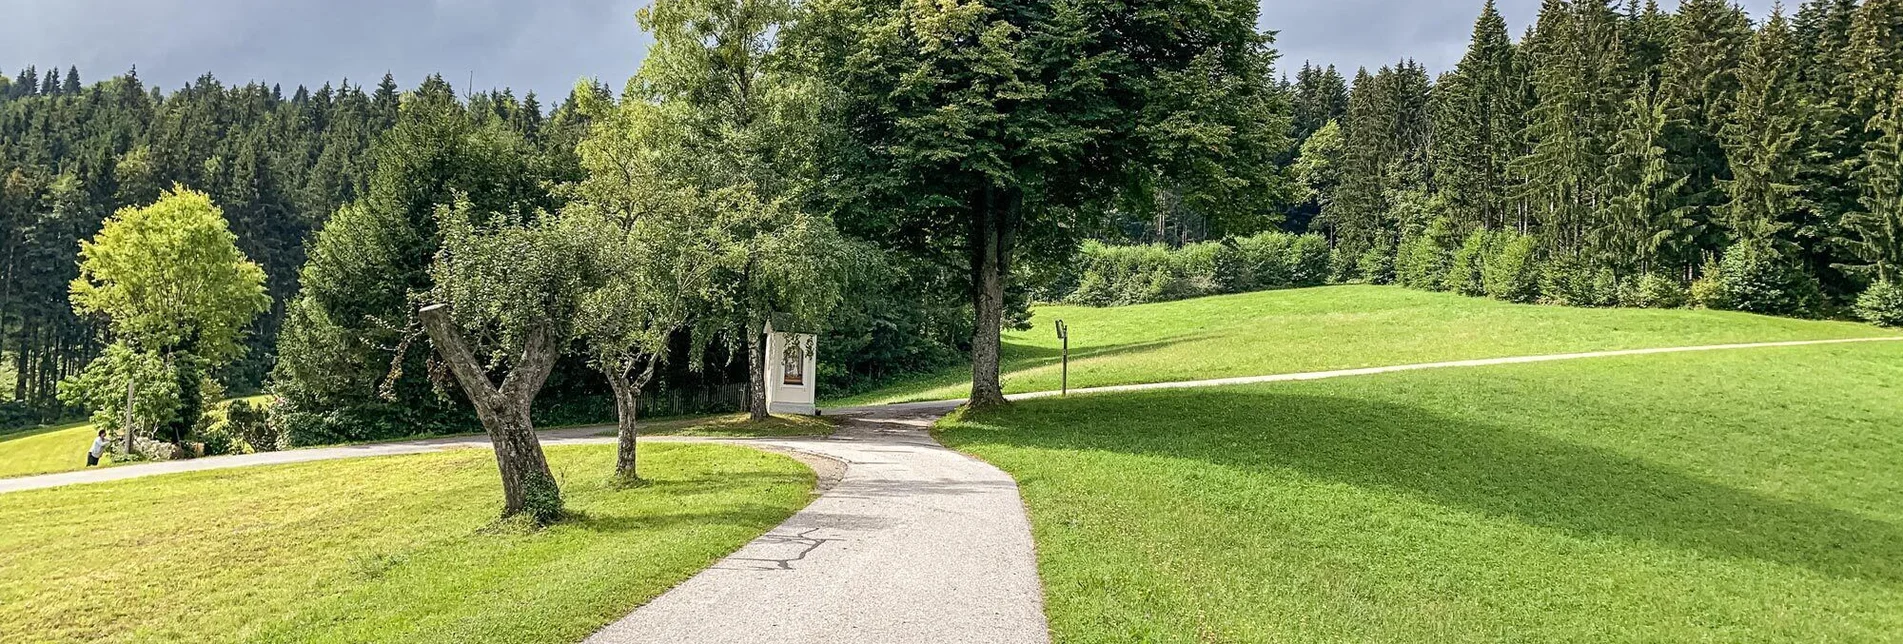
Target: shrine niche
(792, 361)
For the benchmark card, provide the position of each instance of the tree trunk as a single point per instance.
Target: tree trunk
(992, 234)
(527, 485)
(627, 395)
(756, 376)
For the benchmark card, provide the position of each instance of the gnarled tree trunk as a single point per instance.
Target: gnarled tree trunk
(627, 395)
(527, 484)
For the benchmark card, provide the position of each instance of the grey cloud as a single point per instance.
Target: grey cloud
(545, 46)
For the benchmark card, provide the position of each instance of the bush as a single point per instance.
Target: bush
(1513, 274)
(1882, 303)
(1423, 261)
(1466, 269)
(1309, 259)
(1341, 266)
(1572, 281)
(1657, 291)
(1376, 265)
(1752, 277)
(1234, 271)
(251, 425)
(1196, 267)
(1267, 255)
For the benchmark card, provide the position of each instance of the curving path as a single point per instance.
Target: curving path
(914, 543)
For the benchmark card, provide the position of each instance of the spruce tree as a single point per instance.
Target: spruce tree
(1475, 127)
(1878, 226)
(1762, 137)
(1700, 82)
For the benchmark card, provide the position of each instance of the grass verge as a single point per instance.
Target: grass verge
(392, 549)
(1747, 495)
(1334, 327)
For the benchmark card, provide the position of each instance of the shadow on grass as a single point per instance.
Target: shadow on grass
(1460, 463)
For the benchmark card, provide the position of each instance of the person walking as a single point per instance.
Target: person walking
(98, 450)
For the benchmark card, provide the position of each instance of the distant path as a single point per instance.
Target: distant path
(915, 543)
(588, 434)
(1364, 371)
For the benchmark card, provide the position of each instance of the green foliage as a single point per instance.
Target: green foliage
(1466, 271)
(101, 388)
(1755, 278)
(1376, 264)
(1513, 275)
(170, 277)
(1309, 261)
(1111, 275)
(1425, 260)
(1882, 304)
(1657, 291)
(1571, 281)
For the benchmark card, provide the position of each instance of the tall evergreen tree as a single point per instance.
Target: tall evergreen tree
(1709, 38)
(1762, 137)
(1477, 120)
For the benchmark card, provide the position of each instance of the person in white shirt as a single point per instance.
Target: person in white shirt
(98, 450)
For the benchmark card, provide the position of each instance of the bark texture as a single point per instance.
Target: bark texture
(993, 232)
(527, 484)
(627, 395)
(756, 378)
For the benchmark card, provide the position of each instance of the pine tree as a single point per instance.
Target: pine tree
(1762, 137)
(1878, 227)
(71, 86)
(1700, 83)
(1641, 230)
(1476, 124)
(1580, 77)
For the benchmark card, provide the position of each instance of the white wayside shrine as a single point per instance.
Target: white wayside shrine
(791, 362)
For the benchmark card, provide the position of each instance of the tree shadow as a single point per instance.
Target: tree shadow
(1496, 470)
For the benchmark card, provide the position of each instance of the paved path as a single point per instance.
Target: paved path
(915, 543)
(1339, 373)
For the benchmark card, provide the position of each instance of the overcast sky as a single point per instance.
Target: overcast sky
(545, 45)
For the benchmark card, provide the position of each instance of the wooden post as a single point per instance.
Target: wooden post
(128, 425)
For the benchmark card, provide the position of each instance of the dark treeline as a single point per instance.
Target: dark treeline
(1749, 165)
(279, 166)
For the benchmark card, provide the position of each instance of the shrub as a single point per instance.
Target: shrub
(1466, 269)
(1882, 303)
(252, 427)
(1655, 291)
(1376, 265)
(1513, 274)
(1234, 272)
(1423, 260)
(1341, 266)
(1094, 290)
(1572, 281)
(1309, 259)
(1267, 255)
(1752, 277)
(1196, 267)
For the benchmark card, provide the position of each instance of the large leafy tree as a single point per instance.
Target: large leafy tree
(992, 129)
(170, 281)
(733, 133)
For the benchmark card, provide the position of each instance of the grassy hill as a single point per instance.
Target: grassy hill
(390, 549)
(1336, 327)
(57, 449)
(1741, 495)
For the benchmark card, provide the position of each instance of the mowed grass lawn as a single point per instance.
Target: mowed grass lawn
(1745, 495)
(1333, 327)
(392, 549)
